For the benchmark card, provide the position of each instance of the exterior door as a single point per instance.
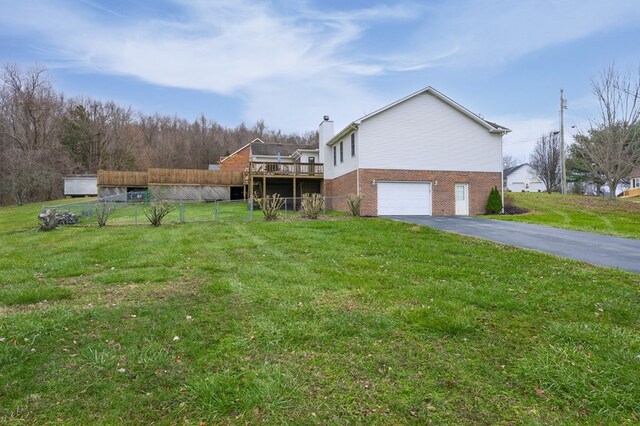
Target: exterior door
(462, 199)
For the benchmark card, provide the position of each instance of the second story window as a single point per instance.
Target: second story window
(341, 152)
(335, 155)
(353, 144)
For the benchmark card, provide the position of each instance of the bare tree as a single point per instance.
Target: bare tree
(508, 161)
(545, 160)
(611, 146)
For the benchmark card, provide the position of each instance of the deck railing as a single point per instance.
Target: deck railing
(287, 169)
(634, 192)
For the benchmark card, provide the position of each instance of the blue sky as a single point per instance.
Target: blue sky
(290, 62)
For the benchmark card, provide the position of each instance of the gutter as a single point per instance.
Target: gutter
(344, 132)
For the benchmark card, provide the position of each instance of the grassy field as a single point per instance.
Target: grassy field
(307, 322)
(582, 213)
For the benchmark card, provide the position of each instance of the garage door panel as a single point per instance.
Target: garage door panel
(404, 198)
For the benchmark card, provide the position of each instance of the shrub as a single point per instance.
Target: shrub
(48, 220)
(494, 203)
(270, 205)
(103, 211)
(312, 205)
(511, 206)
(578, 188)
(354, 201)
(157, 212)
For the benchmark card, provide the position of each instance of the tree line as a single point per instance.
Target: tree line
(45, 136)
(606, 152)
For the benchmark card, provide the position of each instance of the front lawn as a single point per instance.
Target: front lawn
(581, 213)
(303, 322)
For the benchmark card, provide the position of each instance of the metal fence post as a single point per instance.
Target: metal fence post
(250, 209)
(181, 211)
(217, 210)
(135, 214)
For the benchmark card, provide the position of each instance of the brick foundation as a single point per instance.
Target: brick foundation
(443, 193)
(336, 190)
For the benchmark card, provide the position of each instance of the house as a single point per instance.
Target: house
(522, 178)
(424, 154)
(81, 185)
(290, 170)
(634, 184)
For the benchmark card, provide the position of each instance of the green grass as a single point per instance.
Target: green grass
(582, 213)
(307, 322)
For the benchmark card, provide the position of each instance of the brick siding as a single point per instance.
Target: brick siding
(443, 193)
(337, 190)
(238, 161)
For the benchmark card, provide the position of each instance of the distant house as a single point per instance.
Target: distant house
(424, 154)
(634, 184)
(522, 178)
(635, 178)
(81, 186)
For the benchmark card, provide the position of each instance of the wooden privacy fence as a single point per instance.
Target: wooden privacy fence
(170, 177)
(117, 178)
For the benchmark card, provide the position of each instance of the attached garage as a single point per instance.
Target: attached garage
(404, 198)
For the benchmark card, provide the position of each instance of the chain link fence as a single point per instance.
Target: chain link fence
(133, 210)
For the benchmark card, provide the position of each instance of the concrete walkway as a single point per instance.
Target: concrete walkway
(602, 250)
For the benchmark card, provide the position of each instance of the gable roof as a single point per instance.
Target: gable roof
(635, 172)
(489, 125)
(510, 170)
(256, 140)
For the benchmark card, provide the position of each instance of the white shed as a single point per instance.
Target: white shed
(81, 186)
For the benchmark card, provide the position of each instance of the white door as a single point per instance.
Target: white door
(462, 199)
(404, 198)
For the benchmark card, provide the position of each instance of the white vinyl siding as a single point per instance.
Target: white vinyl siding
(424, 133)
(404, 198)
(346, 163)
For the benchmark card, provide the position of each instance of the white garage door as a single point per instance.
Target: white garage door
(404, 198)
(517, 186)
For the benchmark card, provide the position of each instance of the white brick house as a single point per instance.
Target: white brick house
(421, 155)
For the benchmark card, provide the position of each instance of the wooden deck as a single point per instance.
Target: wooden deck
(273, 169)
(635, 192)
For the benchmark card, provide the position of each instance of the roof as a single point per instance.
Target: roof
(489, 125)
(86, 176)
(635, 172)
(285, 149)
(510, 170)
(240, 149)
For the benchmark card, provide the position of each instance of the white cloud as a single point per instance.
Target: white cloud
(489, 33)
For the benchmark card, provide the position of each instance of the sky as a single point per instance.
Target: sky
(290, 62)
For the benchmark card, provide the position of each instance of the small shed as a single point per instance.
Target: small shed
(81, 186)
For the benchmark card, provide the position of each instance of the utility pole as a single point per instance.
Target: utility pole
(563, 106)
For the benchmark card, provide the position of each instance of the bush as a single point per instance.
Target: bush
(103, 211)
(312, 205)
(157, 212)
(494, 203)
(354, 201)
(270, 205)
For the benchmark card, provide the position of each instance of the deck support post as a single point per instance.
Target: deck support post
(294, 192)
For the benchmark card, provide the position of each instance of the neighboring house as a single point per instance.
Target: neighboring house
(635, 178)
(522, 178)
(634, 184)
(422, 155)
(81, 186)
(290, 170)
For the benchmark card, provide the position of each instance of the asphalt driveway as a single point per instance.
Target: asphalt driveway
(602, 250)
